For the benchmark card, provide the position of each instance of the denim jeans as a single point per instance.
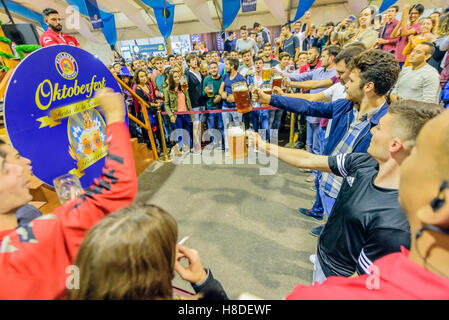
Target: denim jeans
(263, 117)
(199, 117)
(227, 118)
(313, 140)
(275, 118)
(328, 202)
(183, 122)
(211, 117)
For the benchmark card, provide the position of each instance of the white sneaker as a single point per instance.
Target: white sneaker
(312, 258)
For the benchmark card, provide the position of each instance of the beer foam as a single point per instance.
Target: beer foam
(240, 89)
(236, 131)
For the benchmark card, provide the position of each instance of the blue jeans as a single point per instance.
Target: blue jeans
(229, 117)
(328, 202)
(183, 122)
(199, 117)
(313, 139)
(263, 117)
(275, 118)
(211, 124)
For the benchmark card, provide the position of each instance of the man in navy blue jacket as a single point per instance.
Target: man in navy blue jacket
(373, 74)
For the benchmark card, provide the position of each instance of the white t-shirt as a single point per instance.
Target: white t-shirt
(300, 36)
(334, 93)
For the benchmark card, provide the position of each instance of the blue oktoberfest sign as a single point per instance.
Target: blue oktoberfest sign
(51, 115)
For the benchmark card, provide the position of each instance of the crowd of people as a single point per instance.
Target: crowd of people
(372, 129)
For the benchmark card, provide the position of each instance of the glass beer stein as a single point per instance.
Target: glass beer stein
(237, 140)
(266, 72)
(241, 96)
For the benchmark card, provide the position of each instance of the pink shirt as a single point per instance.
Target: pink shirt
(181, 102)
(402, 43)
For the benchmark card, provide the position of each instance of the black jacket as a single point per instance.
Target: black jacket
(195, 90)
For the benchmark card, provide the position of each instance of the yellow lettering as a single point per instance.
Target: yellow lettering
(83, 89)
(70, 92)
(40, 92)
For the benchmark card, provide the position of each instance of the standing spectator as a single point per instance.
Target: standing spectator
(424, 36)
(116, 68)
(180, 62)
(302, 60)
(267, 55)
(207, 58)
(203, 48)
(214, 102)
(177, 100)
(247, 67)
(264, 34)
(290, 43)
(321, 38)
(284, 63)
(259, 118)
(54, 34)
(215, 57)
(246, 43)
(194, 80)
(365, 32)
(171, 61)
(299, 31)
(145, 90)
(232, 76)
(420, 81)
(195, 48)
(385, 41)
(441, 43)
(230, 42)
(404, 31)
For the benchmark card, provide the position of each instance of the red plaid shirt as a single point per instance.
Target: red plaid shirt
(386, 34)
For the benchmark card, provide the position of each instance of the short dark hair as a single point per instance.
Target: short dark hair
(2, 142)
(170, 56)
(233, 50)
(430, 46)
(286, 25)
(348, 54)
(230, 33)
(356, 44)
(234, 62)
(257, 59)
(244, 51)
(256, 24)
(267, 45)
(243, 28)
(418, 7)
(332, 50)
(283, 55)
(49, 11)
(190, 57)
(212, 62)
(330, 24)
(379, 67)
(395, 7)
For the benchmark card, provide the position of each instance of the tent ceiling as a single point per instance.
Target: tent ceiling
(185, 20)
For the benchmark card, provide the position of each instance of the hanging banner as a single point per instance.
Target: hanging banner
(52, 117)
(94, 14)
(230, 10)
(386, 4)
(249, 5)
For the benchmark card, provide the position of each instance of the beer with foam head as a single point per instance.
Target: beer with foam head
(266, 88)
(266, 72)
(277, 80)
(241, 96)
(237, 140)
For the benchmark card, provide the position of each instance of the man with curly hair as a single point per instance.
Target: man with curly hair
(373, 74)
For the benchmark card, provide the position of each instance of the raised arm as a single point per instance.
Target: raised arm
(312, 84)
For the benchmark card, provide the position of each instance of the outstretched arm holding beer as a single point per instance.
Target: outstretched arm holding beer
(309, 84)
(306, 96)
(296, 105)
(294, 157)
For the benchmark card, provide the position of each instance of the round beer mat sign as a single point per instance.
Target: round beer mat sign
(51, 115)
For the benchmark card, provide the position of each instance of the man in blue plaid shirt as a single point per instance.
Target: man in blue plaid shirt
(373, 74)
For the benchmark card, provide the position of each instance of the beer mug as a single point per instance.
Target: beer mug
(277, 80)
(210, 88)
(266, 72)
(67, 187)
(266, 88)
(237, 140)
(241, 96)
(183, 82)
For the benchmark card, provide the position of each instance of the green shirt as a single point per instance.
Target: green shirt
(216, 84)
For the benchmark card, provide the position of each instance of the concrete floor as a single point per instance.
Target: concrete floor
(244, 225)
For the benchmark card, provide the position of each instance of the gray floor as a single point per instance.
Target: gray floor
(243, 224)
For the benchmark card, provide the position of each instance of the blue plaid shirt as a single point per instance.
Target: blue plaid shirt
(330, 183)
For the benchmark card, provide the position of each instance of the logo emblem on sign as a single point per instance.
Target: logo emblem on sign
(66, 66)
